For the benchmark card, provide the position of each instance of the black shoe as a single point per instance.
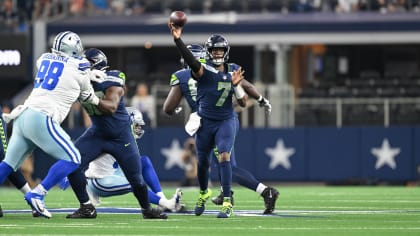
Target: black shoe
(219, 199)
(1, 212)
(270, 196)
(153, 213)
(85, 211)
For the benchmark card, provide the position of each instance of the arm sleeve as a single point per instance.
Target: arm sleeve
(187, 55)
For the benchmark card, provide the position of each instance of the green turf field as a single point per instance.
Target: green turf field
(301, 210)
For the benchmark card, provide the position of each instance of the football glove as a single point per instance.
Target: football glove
(97, 76)
(89, 96)
(264, 103)
(178, 110)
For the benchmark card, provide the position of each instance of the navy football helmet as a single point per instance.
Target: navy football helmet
(217, 41)
(97, 59)
(198, 52)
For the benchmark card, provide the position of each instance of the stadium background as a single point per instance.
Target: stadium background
(343, 78)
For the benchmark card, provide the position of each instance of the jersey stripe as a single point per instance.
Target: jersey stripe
(61, 141)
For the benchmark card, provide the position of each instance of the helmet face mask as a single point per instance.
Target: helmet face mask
(217, 41)
(97, 59)
(68, 43)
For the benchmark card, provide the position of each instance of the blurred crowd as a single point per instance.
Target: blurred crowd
(15, 15)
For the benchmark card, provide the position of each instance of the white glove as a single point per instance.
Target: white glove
(89, 96)
(264, 103)
(7, 117)
(178, 110)
(97, 76)
(193, 123)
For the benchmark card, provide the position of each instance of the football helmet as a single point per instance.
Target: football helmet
(68, 43)
(198, 52)
(217, 41)
(137, 122)
(97, 59)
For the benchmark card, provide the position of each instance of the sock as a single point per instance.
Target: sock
(25, 188)
(226, 173)
(78, 183)
(260, 188)
(140, 191)
(5, 171)
(203, 176)
(161, 195)
(57, 172)
(149, 174)
(244, 178)
(154, 198)
(39, 189)
(17, 179)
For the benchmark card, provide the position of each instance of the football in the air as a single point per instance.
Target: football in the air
(178, 18)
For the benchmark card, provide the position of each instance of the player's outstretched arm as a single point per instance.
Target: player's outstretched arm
(194, 64)
(252, 91)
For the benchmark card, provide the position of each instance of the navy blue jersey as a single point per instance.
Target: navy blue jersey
(214, 93)
(188, 86)
(109, 125)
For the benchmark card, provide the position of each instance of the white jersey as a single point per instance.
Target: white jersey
(59, 81)
(104, 165)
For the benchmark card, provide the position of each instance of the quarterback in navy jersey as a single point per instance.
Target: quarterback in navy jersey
(214, 122)
(111, 133)
(183, 85)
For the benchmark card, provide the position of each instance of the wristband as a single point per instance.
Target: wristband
(239, 91)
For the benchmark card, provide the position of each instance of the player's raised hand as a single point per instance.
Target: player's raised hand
(176, 31)
(237, 76)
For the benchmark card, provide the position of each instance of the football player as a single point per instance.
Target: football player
(106, 178)
(182, 85)
(214, 122)
(110, 132)
(62, 78)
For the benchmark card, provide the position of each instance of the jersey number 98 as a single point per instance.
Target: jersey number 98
(48, 74)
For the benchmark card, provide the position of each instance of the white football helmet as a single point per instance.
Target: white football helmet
(68, 43)
(136, 122)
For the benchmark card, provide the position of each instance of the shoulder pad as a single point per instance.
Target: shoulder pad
(210, 68)
(174, 80)
(115, 76)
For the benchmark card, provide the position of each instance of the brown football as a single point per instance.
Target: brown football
(178, 18)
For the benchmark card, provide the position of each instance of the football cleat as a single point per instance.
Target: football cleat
(270, 196)
(86, 211)
(94, 198)
(227, 210)
(35, 213)
(36, 201)
(219, 199)
(177, 201)
(153, 213)
(200, 206)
